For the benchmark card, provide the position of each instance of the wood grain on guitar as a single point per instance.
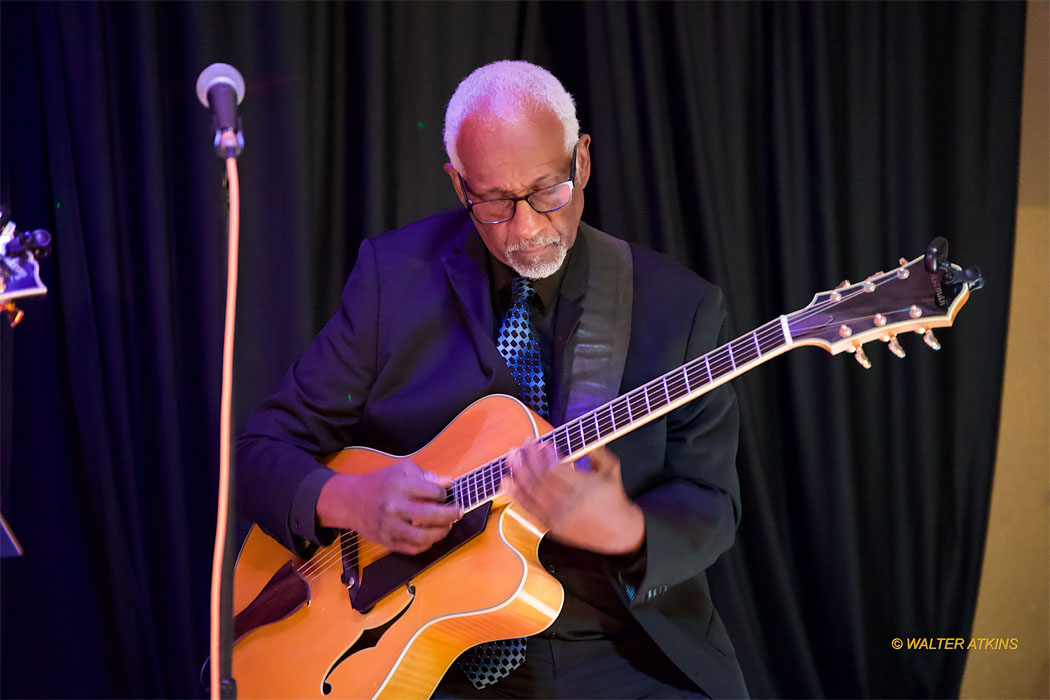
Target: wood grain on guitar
(306, 628)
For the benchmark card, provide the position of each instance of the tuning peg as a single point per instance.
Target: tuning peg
(895, 347)
(931, 340)
(858, 354)
(14, 314)
(836, 295)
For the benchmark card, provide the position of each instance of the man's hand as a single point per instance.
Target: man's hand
(401, 506)
(584, 509)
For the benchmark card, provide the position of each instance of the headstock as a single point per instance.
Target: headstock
(19, 268)
(917, 296)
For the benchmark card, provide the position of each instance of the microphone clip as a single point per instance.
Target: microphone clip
(228, 143)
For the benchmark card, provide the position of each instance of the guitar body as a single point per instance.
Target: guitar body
(491, 587)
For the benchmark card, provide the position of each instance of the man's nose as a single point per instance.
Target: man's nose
(526, 222)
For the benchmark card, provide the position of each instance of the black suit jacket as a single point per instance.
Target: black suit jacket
(411, 346)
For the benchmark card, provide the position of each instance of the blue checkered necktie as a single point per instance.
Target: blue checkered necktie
(488, 663)
(520, 347)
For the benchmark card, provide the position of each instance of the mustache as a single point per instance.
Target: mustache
(534, 243)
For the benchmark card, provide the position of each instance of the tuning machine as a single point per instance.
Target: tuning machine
(860, 356)
(14, 314)
(894, 346)
(929, 338)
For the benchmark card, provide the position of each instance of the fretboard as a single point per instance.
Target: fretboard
(634, 409)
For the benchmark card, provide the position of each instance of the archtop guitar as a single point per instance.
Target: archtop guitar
(358, 621)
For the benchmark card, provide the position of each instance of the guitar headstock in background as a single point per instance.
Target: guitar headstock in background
(19, 266)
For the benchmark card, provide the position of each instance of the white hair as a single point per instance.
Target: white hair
(507, 90)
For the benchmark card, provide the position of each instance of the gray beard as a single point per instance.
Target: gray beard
(537, 270)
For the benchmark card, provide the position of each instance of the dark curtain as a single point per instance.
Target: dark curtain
(774, 148)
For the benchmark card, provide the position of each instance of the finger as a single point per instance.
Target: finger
(527, 500)
(538, 457)
(430, 515)
(513, 468)
(605, 462)
(424, 486)
(442, 481)
(406, 537)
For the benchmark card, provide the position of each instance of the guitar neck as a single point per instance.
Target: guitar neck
(917, 296)
(634, 409)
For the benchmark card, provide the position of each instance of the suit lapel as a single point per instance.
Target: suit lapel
(469, 285)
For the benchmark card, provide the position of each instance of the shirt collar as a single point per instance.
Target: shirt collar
(546, 289)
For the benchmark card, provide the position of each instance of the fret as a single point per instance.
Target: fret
(707, 363)
(747, 352)
(612, 418)
(495, 479)
(657, 401)
(583, 436)
(785, 330)
(636, 404)
(561, 445)
(696, 368)
(667, 394)
(744, 353)
(573, 445)
(492, 482)
(754, 336)
(682, 387)
(773, 339)
(731, 360)
(630, 413)
(597, 427)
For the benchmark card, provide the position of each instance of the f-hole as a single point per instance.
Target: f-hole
(368, 639)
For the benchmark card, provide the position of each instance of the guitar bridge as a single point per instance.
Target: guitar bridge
(351, 575)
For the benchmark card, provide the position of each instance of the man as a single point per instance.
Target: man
(422, 333)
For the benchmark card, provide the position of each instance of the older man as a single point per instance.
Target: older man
(513, 294)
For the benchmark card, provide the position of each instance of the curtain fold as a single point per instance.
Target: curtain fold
(774, 148)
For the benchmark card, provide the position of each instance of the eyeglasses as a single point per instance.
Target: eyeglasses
(543, 201)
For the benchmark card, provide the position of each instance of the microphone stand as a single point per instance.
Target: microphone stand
(223, 685)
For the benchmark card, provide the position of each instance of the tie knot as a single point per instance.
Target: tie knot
(522, 291)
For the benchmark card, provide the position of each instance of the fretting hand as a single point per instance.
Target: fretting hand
(401, 506)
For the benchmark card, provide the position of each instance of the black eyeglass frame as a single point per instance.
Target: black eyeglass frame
(571, 182)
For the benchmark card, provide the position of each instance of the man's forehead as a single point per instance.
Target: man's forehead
(500, 155)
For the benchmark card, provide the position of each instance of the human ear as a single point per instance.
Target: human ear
(583, 160)
(454, 176)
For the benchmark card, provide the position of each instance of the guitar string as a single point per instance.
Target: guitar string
(674, 380)
(676, 385)
(673, 390)
(331, 555)
(673, 383)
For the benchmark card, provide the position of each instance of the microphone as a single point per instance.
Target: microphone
(220, 88)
